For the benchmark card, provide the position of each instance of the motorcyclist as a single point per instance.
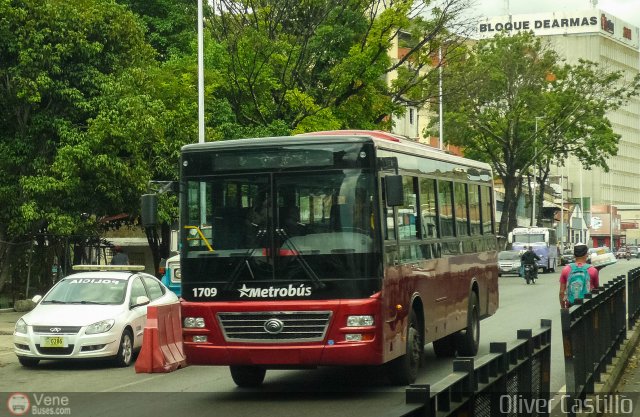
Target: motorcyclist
(530, 258)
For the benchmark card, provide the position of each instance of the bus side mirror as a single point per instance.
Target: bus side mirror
(393, 190)
(149, 210)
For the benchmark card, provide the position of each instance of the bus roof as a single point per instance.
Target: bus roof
(380, 139)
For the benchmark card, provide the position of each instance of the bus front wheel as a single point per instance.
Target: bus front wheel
(469, 339)
(404, 370)
(247, 376)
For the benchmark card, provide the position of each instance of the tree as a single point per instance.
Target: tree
(573, 126)
(55, 59)
(324, 64)
(171, 24)
(512, 81)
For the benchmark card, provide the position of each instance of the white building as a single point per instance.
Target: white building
(597, 36)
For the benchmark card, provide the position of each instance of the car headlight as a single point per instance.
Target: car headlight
(100, 327)
(359, 321)
(21, 327)
(177, 273)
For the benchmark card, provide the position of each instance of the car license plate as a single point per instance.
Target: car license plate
(53, 342)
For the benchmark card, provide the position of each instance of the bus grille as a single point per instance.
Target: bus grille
(275, 326)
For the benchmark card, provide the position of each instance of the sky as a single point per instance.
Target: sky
(627, 10)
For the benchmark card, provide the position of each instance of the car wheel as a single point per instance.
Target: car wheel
(247, 376)
(28, 362)
(124, 357)
(469, 339)
(404, 370)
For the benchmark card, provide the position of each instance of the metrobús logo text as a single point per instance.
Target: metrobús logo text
(272, 292)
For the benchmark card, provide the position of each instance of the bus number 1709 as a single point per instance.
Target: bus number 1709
(205, 292)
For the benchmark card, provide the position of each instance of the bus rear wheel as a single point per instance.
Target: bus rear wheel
(404, 370)
(247, 376)
(469, 339)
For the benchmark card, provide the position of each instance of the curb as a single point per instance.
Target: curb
(7, 310)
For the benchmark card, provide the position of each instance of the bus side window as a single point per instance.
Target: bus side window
(428, 208)
(407, 213)
(474, 209)
(445, 208)
(462, 217)
(486, 210)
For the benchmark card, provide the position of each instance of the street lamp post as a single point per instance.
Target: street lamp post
(611, 213)
(534, 221)
(203, 209)
(562, 206)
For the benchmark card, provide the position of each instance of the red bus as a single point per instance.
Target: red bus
(333, 248)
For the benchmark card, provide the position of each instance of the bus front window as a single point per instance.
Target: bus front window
(281, 227)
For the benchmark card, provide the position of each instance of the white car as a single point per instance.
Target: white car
(98, 313)
(509, 262)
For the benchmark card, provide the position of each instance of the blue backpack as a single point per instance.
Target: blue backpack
(578, 282)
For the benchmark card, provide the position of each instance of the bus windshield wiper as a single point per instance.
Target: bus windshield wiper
(245, 261)
(317, 283)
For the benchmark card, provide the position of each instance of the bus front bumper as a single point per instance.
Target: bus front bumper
(364, 353)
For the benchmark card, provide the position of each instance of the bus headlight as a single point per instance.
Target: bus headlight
(193, 323)
(360, 321)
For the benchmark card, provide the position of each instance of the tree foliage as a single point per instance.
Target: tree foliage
(523, 106)
(171, 24)
(324, 64)
(56, 59)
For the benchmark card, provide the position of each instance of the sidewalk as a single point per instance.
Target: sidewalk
(7, 323)
(629, 384)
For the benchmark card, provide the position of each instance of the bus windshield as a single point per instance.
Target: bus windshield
(280, 228)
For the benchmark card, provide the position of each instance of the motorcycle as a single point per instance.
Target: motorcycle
(529, 274)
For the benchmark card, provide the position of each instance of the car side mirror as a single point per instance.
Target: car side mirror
(36, 298)
(141, 300)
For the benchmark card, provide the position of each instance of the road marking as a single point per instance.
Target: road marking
(132, 383)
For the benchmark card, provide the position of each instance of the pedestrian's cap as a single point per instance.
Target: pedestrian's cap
(580, 249)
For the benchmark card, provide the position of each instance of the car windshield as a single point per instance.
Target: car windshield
(508, 255)
(76, 290)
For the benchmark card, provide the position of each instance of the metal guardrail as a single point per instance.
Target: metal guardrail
(633, 296)
(592, 332)
(512, 379)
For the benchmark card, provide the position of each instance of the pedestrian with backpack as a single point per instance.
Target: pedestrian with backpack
(578, 278)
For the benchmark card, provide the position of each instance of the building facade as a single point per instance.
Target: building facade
(612, 43)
